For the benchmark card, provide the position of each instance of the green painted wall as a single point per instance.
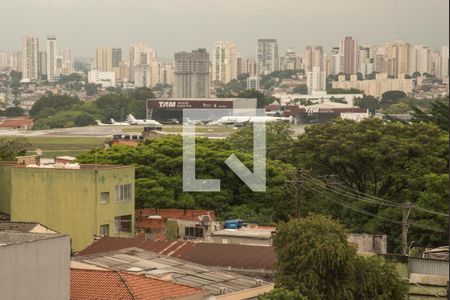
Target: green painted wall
(5, 189)
(68, 201)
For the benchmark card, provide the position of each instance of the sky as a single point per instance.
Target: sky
(169, 26)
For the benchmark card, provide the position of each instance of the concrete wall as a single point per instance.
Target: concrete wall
(36, 270)
(369, 242)
(68, 201)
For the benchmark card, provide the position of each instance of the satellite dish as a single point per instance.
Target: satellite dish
(39, 152)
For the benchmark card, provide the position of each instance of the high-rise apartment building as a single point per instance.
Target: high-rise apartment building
(267, 56)
(4, 59)
(141, 56)
(444, 64)
(420, 60)
(15, 61)
(314, 57)
(67, 61)
(30, 58)
(116, 56)
(104, 59)
(42, 63)
(398, 58)
(52, 53)
(316, 80)
(224, 64)
(349, 52)
(191, 74)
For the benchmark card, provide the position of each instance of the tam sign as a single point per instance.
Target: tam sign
(183, 104)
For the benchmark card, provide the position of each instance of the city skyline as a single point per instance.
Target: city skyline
(178, 25)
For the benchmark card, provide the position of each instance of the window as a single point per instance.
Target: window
(123, 223)
(123, 192)
(104, 230)
(104, 197)
(193, 232)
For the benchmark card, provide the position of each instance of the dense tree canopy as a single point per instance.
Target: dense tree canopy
(314, 258)
(392, 162)
(159, 179)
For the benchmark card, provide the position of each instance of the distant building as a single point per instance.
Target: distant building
(104, 59)
(398, 58)
(30, 262)
(420, 59)
(444, 64)
(141, 56)
(106, 79)
(142, 76)
(224, 68)
(267, 56)
(348, 52)
(52, 53)
(314, 57)
(316, 80)
(86, 201)
(169, 110)
(253, 83)
(30, 58)
(191, 74)
(376, 87)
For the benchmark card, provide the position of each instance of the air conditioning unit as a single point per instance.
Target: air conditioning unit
(223, 290)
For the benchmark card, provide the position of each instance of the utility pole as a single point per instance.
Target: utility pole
(298, 187)
(406, 209)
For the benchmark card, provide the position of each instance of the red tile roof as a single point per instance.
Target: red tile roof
(15, 123)
(151, 223)
(106, 285)
(208, 254)
(173, 213)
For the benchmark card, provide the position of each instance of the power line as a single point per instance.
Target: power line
(381, 200)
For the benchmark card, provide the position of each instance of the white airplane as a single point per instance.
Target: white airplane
(250, 119)
(113, 122)
(99, 123)
(133, 121)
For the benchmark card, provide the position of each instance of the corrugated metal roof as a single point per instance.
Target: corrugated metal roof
(209, 254)
(182, 272)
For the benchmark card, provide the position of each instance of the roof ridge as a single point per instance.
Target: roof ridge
(126, 285)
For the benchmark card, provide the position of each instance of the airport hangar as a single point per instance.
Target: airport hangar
(168, 110)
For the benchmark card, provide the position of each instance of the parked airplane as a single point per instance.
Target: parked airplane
(113, 122)
(99, 123)
(133, 121)
(250, 119)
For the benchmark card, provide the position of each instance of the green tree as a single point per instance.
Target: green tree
(261, 99)
(159, 183)
(314, 257)
(387, 160)
(282, 294)
(11, 148)
(368, 102)
(12, 112)
(279, 140)
(438, 114)
(391, 97)
(301, 89)
(143, 94)
(54, 102)
(91, 89)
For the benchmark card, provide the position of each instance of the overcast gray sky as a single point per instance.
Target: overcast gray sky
(173, 25)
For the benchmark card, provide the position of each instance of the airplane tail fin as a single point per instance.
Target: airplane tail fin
(113, 121)
(131, 117)
(99, 123)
